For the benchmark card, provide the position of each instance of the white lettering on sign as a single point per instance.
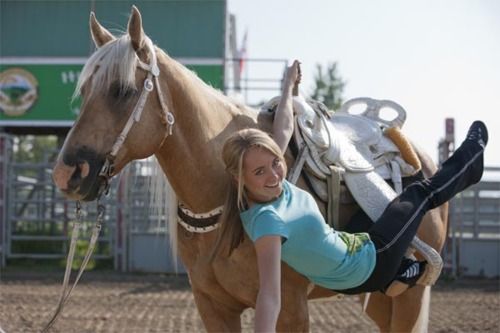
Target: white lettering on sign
(69, 77)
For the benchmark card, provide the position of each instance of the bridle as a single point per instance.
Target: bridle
(192, 222)
(168, 118)
(107, 170)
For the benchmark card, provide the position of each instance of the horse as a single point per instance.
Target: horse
(184, 123)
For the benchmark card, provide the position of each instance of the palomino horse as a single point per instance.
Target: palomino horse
(184, 123)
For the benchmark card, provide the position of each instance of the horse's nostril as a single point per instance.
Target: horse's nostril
(84, 169)
(76, 178)
(61, 174)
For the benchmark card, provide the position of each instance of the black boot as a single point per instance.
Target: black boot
(408, 276)
(478, 133)
(462, 169)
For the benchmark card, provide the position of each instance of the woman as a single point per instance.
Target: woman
(285, 223)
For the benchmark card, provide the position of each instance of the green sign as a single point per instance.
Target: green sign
(41, 94)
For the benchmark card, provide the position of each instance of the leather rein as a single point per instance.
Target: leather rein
(189, 220)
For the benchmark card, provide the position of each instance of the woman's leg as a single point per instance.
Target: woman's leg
(395, 229)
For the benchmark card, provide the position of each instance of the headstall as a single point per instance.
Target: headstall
(197, 223)
(169, 119)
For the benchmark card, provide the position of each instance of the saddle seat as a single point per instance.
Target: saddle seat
(354, 141)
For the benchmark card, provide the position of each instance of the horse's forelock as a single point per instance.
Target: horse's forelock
(114, 61)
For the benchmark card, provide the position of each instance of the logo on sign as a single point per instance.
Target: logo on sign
(18, 91)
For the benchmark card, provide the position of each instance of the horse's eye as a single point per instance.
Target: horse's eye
(119, 92)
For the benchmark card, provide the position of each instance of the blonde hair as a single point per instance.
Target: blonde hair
(231, 232)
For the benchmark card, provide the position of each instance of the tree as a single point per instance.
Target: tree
(329, 86)
(35, 148)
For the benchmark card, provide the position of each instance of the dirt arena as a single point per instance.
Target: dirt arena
(114, 302)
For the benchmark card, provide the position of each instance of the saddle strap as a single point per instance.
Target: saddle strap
(333, 184)
(297, 167)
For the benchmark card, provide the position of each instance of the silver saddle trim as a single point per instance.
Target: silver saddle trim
(353, 142)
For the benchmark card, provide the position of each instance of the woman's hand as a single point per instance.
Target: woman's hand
(293, 77)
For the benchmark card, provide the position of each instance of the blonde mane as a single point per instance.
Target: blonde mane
(117, 62)
(116, 59)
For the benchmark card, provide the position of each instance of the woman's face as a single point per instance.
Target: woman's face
(263, 174)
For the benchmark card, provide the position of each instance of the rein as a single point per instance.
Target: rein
(66, 289)
(106, 173)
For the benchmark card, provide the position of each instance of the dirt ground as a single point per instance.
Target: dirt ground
(116, 302)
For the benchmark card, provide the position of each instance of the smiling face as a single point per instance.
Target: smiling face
(263, 174)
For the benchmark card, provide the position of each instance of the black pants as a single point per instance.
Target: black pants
(393, 232)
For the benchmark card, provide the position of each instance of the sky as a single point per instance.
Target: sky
(437, 58)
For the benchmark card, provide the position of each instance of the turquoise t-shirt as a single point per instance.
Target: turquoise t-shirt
(331, 259)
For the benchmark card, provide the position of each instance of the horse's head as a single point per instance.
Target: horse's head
(118, 121)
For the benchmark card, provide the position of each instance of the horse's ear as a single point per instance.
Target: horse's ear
(99, 34)
(135, 30)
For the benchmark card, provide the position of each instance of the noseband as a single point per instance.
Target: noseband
(167, 119)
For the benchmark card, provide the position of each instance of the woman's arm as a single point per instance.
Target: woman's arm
(268, 305)
(283, 119)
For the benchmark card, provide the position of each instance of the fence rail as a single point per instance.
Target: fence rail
(473, 246)
(36, 220)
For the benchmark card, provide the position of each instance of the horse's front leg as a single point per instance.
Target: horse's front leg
(216, 316)
(410, 310)
(294, 314)
(219, 310)
(379, 310)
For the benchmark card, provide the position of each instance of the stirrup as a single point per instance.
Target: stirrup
(434, 262)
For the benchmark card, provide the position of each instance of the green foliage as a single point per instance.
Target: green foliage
(34, 148)
(329, 86)
(46, 247)
(80, 251)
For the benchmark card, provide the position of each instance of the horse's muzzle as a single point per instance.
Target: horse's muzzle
(76, 174)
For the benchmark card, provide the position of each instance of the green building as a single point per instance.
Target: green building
(44, 44)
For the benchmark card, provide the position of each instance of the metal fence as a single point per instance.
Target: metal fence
(36, 220)
(146, 229)
(473, 247)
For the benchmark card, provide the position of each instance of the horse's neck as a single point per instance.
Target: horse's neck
(191, 157)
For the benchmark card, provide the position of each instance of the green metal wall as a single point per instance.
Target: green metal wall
(188, 28)
(43, 45)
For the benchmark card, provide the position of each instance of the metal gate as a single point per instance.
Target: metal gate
(147, 235)
(37, 219)
(473, 246)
